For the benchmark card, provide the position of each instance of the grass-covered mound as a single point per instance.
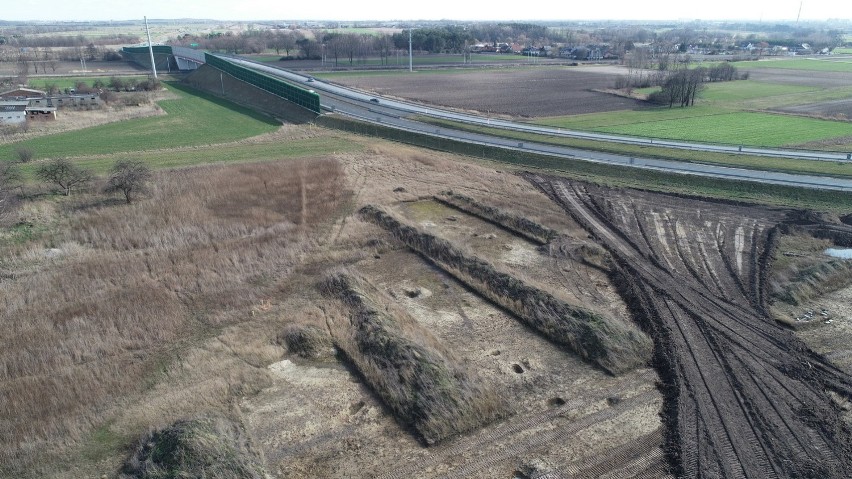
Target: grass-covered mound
(419, 380)
(613, 345)
(206, 447)
(518, 224)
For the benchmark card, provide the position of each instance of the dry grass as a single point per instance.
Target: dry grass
(92, 320)
(420, 380)
(802, 272)
(203, 447)
(515, 223)
(613, 345)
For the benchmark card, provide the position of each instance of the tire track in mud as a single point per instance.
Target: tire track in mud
(624, 461)
(744, 397)
(482, 443)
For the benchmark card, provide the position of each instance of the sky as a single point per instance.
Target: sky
(354, 10)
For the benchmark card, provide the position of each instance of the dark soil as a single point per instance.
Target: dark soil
(798, 77)
(533, 92)
(744, 397)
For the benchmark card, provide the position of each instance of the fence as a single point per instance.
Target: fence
(304, 98)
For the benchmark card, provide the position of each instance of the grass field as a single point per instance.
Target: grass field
(843, 51)
(811, 64)
(838, 169)
(193, 119)
(718, 117)
(745, 128)
(228, 153)
(736, 91)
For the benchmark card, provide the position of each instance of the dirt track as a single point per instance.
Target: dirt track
(743, 396)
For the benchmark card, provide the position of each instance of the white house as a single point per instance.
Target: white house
(13, 112)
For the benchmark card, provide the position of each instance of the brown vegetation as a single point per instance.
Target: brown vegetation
(517, 224)
(211, 446)
(91, 315)
(613, 345)
(418, 379)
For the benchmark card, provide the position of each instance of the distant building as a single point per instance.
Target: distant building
(21, 94)
(13, 112)
(46, 113)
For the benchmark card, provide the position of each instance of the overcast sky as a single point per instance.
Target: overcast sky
(766, 10)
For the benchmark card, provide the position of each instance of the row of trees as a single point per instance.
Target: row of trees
(682, 86)
(18, 40)
(127, 177)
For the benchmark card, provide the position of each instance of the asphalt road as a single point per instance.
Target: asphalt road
(397, 114)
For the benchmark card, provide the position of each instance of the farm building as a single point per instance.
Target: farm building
(13, 112)
(21, 93)
(59, 101)
(46, 113)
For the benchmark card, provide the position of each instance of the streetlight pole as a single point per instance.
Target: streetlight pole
(150, 49)
(410, 58)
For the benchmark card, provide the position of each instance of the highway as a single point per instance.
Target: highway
(397, 114)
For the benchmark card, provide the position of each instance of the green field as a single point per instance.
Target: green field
(843, 51)
(745, 128)
(724, 113)
(230, 153)
(829, 168)
(193, 119)
(817, 65)
(735, 91)
(708, 124)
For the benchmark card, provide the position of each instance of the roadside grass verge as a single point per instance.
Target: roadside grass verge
(738, 128)
(707, 124)
(417, 378)
(827, 168)
(615, 175)
(194, 119)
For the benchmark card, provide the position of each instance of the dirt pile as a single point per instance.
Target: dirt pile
(744, 397)
(204, 447)
(419, 380)
(613, 345)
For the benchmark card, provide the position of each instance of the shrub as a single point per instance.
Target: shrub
(210, 446)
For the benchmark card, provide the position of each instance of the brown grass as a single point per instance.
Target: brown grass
(515, 223)
(92, 321)
(417, 377)
(207, 446)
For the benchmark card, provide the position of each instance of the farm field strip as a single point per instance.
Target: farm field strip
(736, 377)
(746, 128)
(809, 64)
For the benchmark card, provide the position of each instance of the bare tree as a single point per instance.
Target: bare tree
(128, 177)
(64, 174)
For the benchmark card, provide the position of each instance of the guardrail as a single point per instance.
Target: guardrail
(307, 99)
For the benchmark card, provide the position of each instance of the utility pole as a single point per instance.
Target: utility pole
(150, 49)
(410, 62)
